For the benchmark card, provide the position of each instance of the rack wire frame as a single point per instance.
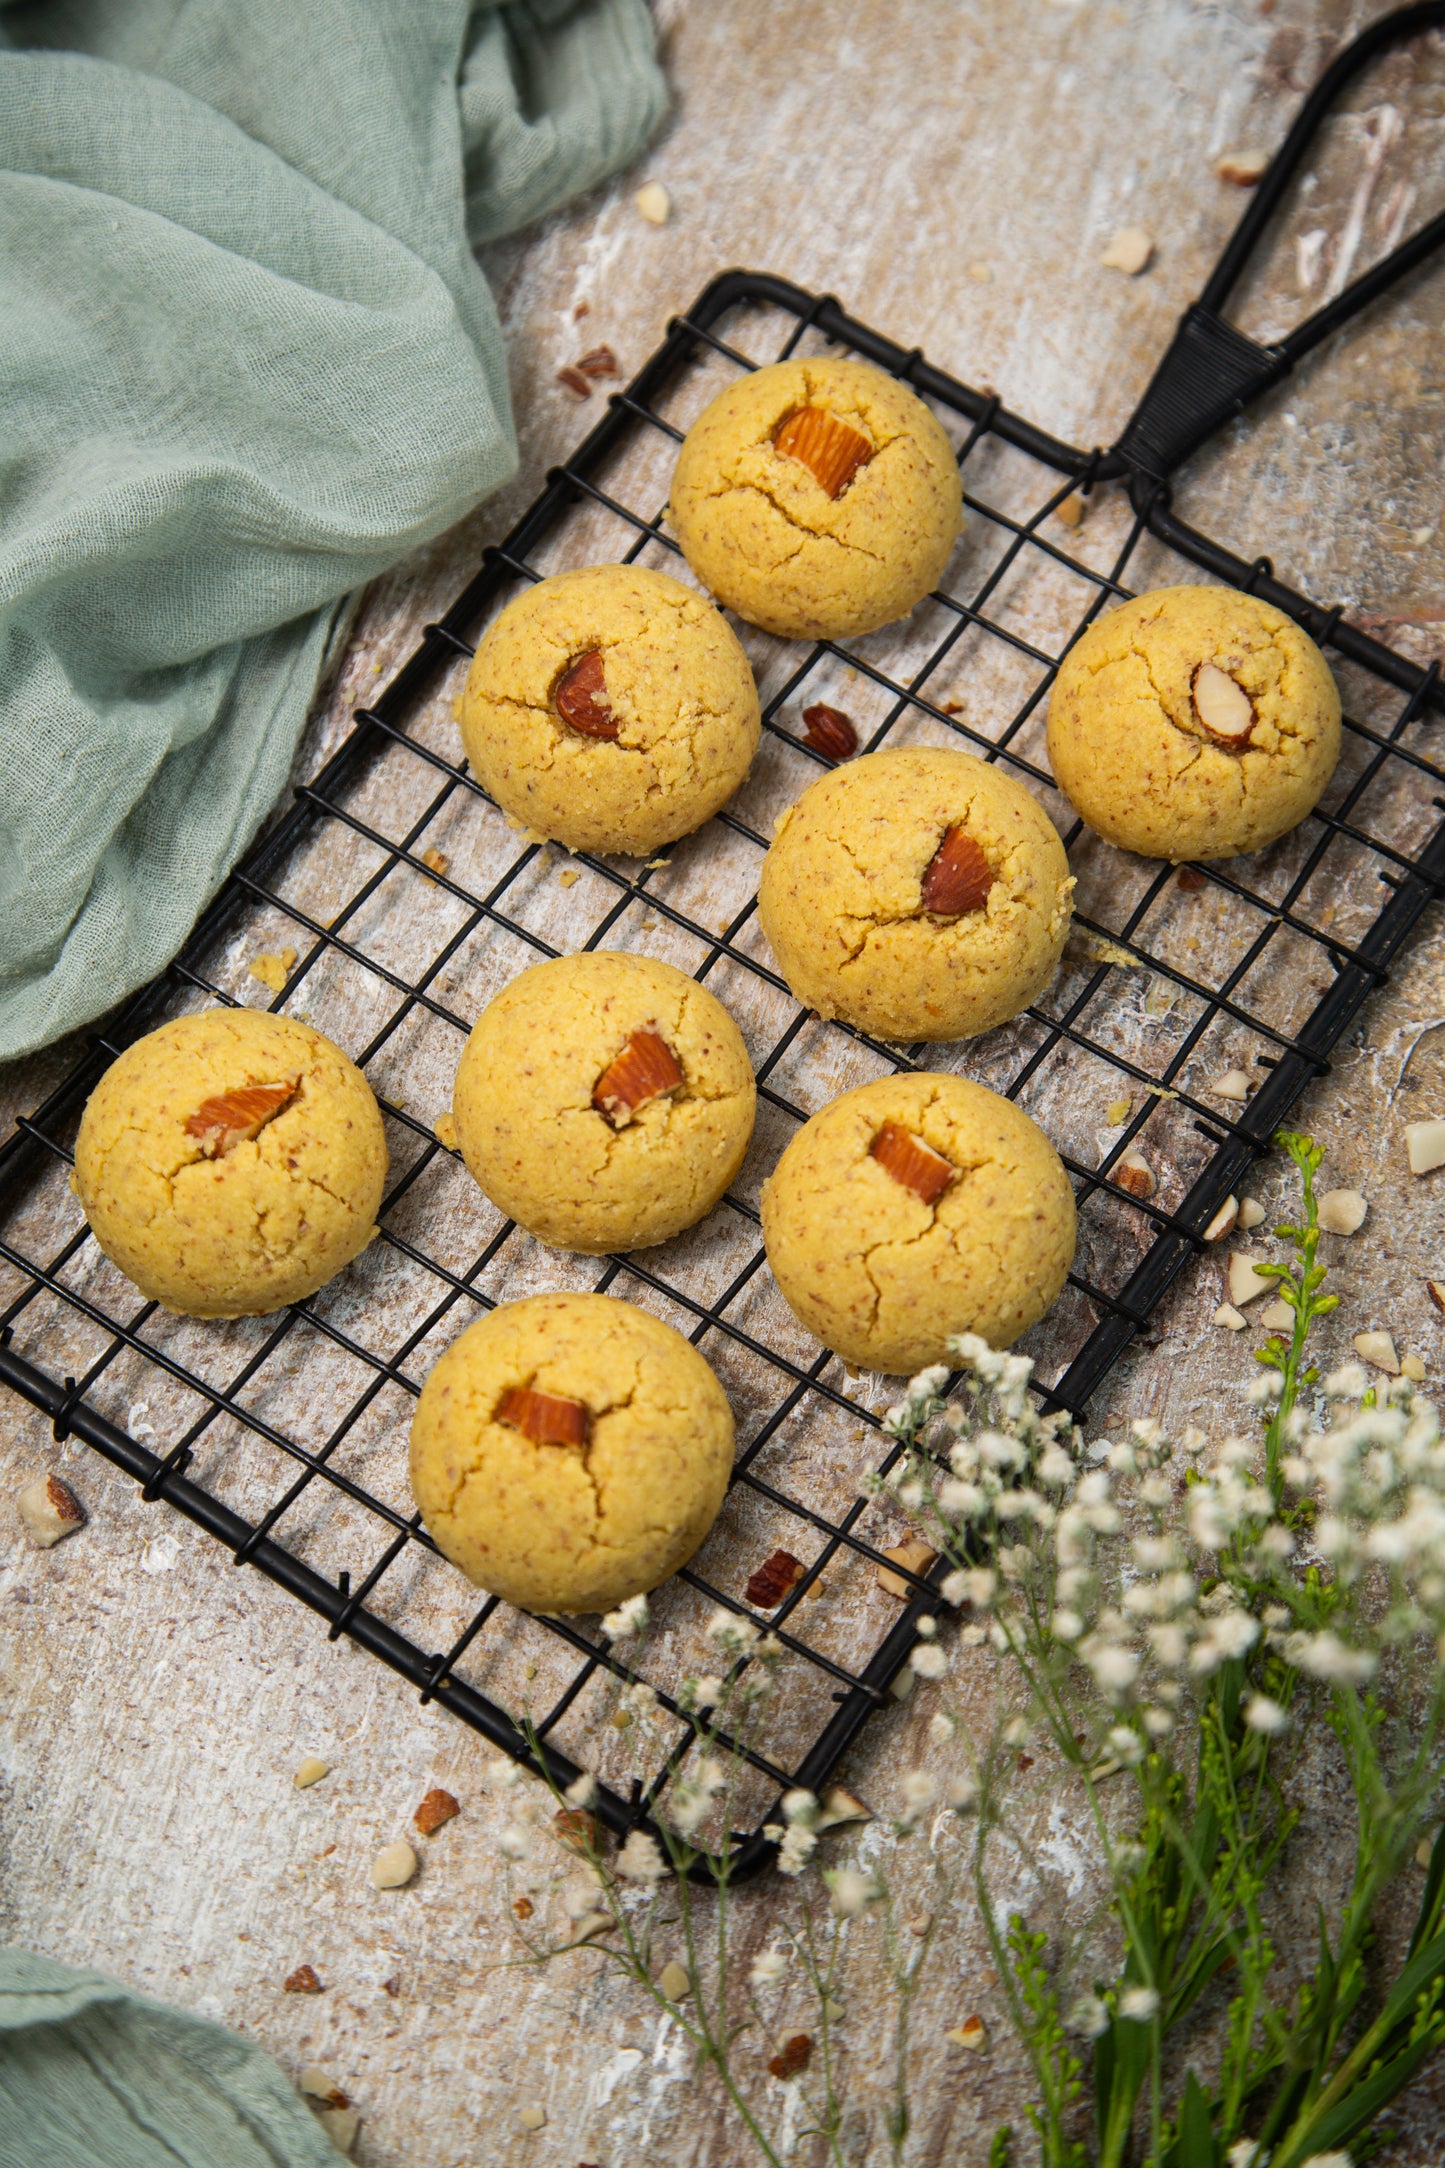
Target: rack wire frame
(1411, 865)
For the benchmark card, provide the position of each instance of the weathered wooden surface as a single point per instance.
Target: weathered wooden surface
(952, 173)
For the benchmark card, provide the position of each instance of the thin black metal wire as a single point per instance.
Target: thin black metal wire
(1171, 1233)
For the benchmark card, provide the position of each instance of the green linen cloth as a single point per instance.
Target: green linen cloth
(92, 2076)
(247, 360)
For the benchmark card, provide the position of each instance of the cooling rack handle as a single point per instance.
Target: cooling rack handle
(1212, 371)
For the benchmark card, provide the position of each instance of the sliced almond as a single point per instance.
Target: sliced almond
(310, 1770)
(831, 450)
(1134, 1173)
(545, 1418)
(1223, 1221)
(654, 203)
(911, 1163)
(1425, 1143)
(574, 381)
(1377, 1349)
(394, 1866)
(1245, 1283)
(1413, 1367)
(1234, 1084)
(437, 1807)
(235, 1117)
(1222, 705)
(50, 1510)
(645, 1070)
(1435, 1289)
(1130, 252)
(957, 878)
(1342, 1211)
(1242, 168)
(914, 1557)
(580, 697)
(598, 361)
(1231, 1319)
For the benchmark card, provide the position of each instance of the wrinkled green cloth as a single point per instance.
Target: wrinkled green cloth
(92, 2076)
(246, 361)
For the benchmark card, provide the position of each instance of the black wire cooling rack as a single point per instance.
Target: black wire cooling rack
(285, 1437)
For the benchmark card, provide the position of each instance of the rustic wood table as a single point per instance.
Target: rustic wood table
(953, 172)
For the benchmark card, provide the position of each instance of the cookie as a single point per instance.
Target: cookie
(610, 709)
(1194, 722)
(604, 1101)
(570, 1451)
(817, 498)
(231, 1162)
(913, 1209)
(918, 894)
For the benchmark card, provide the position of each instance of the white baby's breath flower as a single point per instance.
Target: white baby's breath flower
(963, 1500)
(1139, 2003)
(927, 1629)
(704, 1692)
(502, 1775)
(919, 1792)
(1158, 1723)
(796, 1849)
(1126, 1746)
(1328, 2160)
(928, 1660)
(583, 1793)
(1350, 1382)
(973, 1637)
(513, 1842)
(1067, 1625)
(800, 1808)
(1264, 1390)
(954, 1587)
(1114, 1666)
(768, 1968)
(640, 1860)
(961, 1792)
(628, 1620)
(940, 1729)
(851, 1890)
(1263, 1715)
(640, 1698)
(1244, 2153)
(1326, 1656)
(1088, 2017)
(1056, 1467)
(738, 1636)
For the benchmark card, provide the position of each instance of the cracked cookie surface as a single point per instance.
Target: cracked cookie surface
(568, 1528)
(1128, 746)
(884, 1277)
(763, 532)
(549, 1156)
(218, 1221)
(678, 703)
(841, 898)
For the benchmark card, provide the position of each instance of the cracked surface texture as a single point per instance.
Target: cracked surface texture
(565, 1528)
(274, 1218)
(532, 1138)
(678, 684)
(1128, 748)
(763, 534)
(884, 1279)
(840, 896)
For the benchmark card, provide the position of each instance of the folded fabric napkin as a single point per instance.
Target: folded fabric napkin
(246, 361)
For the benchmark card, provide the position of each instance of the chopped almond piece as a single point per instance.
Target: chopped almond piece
(1342, 1211)
(912, 1163)
(645, 1070)
(1425, 1144)
(302, 1981)
(1435, 1289)
(829, 731)
(1242, 168)
(957, 877)
(233, 1118)
(1134, 1173)
(1223, 1221)
(580, 698)
(1378, 1349)
(437, 1807)
(972, 2033)
(914, 1556)
(1222, 705)
(545, 1418)
(1190, 878)
(831, 450)
(523, 1908)
(1071, 512)
(775, 1578)
(437, 860)
(273, 971)
(1246, 1282)
(794, 2052)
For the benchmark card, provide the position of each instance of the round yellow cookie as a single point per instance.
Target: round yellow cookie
(1194, 722)
(918, 894)
(231, 1162)
(604, 1101)
(915, 1208)
(817, 498)
(611, 709)
(570, 1451)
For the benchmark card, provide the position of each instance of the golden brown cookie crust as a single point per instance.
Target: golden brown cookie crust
(680, 692)
(885, 1279)
(566, 1528)
(841, 896)
(762, 532)
(249, 1228)
(554, 1161)
(1128, 746)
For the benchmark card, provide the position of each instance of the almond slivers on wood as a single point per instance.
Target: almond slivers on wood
(645, 1070)
(957, 877)
(913, 1164)
(581, 697)
(545, 1418)
(233, 1118)
(831, 450)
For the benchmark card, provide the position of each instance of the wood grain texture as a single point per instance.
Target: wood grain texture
(953, 173)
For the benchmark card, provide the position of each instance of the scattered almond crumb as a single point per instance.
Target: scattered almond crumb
(523, 1907)
(437, 860)
(50, 1510)
(838, 1806)
(833, 2011)
(1279, 1317)
(980, 274)
(316, 2085)
(1435, 1289)
(445, 1132)
(953, 707)
(794, 2052)
(590, 1924)
(532, 2117)
(1116, 1112)
(341, 2126)
(310, 1771)
(1413, 1367)
(1246, 1284)
(598, 362)
(915, 1557)
(673, 1981)
(1100, 951)
(1133, 1173)
(302, 1981)
(1190, 880)
(919, 1924)
(574, 381)
(1242, 168)
(437, 1807)
(1342, 1211)
(972, 2033)
(654, 203)
(1378, 1350)
(653, 864)
(1071, 511)
(569, 876)
(273, 971)
(583, 308)
(1425, 1143)
(394, 1866)
(1234, 1084)
(1130, 251)
(1232, 1320)
(1223, 1221)
(1251, 1214)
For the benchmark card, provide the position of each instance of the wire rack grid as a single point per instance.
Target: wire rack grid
(285, 1438)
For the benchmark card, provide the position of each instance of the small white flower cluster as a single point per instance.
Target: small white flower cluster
(628, 1622)
(796, 1836)
(695, 1792)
